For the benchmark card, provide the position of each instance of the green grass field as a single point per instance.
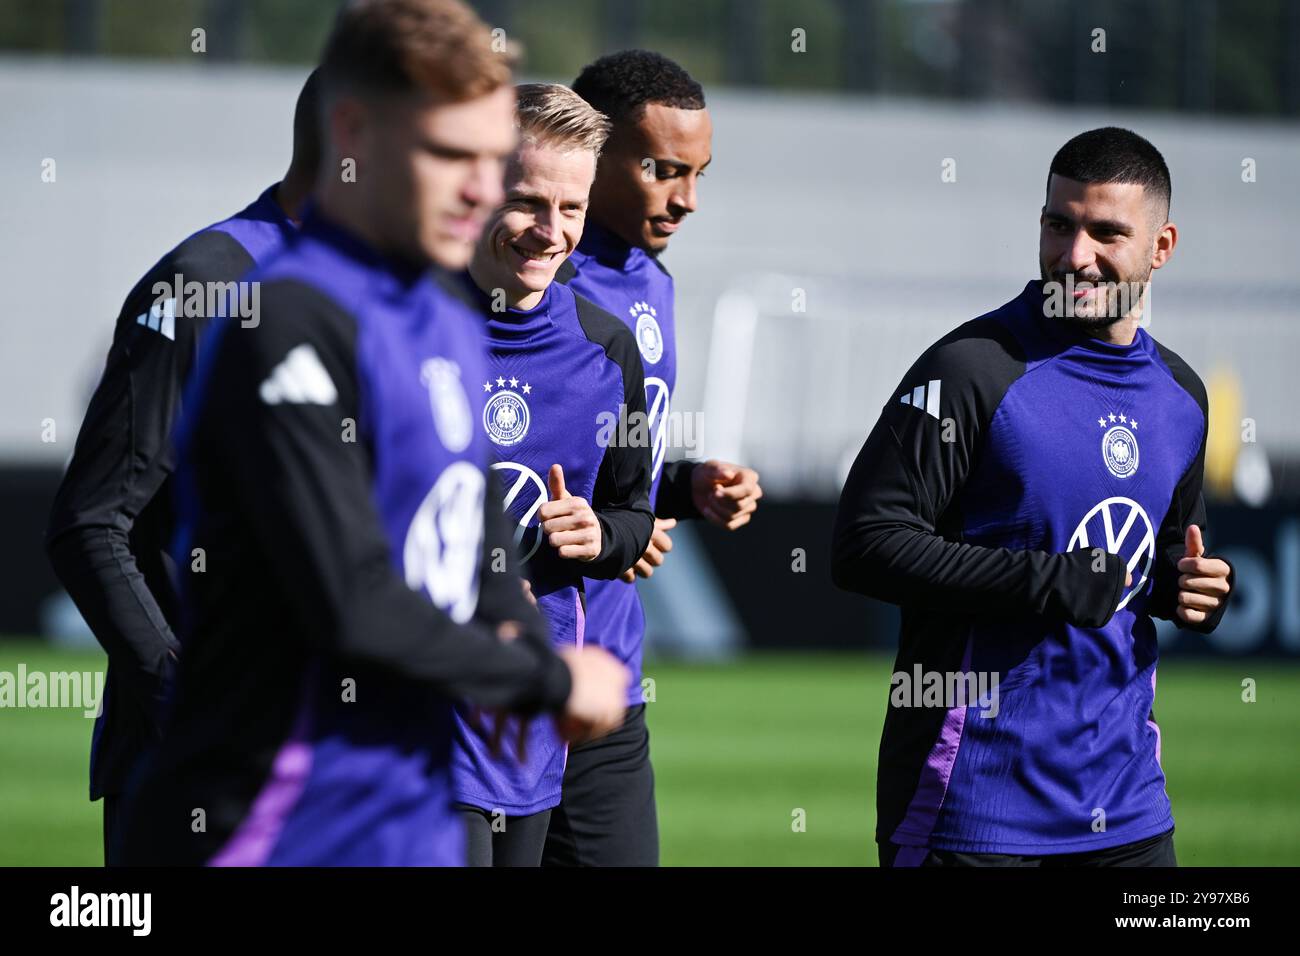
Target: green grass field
(739, 748)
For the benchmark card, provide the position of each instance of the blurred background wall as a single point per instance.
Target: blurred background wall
(829, 249)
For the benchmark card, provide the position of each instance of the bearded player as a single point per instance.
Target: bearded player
(1031, 498)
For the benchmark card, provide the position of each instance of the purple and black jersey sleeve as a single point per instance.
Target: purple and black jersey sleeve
(897, 531)
(1188, 508)
(674, 499)
(122, 458)
(621, 497)
(112, 518)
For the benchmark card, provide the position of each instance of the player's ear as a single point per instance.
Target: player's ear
(1166, 239)
(347, 120)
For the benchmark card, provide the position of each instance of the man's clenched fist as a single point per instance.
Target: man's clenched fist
(724, 493)
(660, 544)
(598, 701)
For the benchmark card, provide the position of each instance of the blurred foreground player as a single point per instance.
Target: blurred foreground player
(1031, 497)
(112, 519)
(334, 483)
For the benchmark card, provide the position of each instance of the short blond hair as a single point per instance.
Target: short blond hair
(553, 115)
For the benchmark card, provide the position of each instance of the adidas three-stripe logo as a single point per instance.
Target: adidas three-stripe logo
(300, 379)
(161, 317)
(924, 396)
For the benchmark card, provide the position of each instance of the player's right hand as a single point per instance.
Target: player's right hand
(569, 523)
(598, 700)
(660, 544)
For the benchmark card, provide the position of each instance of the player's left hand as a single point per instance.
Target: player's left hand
(725, 494)
(569, 523)
(1202, 582)
(660, 544)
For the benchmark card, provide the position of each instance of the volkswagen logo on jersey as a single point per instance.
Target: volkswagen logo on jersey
(648, 337)
(506, 414)
(1119, 526)
(441, 552)
(530, 491)
(447, 401)
(1119, 446)
(656, 403)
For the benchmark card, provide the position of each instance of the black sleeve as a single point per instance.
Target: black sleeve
(1186, 508)
(122, 458)
(621, 498)
(675, 499)
(309, 498)
(897, 530)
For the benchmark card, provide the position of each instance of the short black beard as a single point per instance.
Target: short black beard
(1092, 324)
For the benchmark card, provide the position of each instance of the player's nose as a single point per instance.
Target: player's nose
(545, 225)
(485, 187)
(1081, 252)
(685, 198)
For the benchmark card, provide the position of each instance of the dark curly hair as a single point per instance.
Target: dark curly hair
(621, 84)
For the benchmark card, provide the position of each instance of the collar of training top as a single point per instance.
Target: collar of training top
(268, 209)
(316, 224)
(1034, 300)
(602, 245)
